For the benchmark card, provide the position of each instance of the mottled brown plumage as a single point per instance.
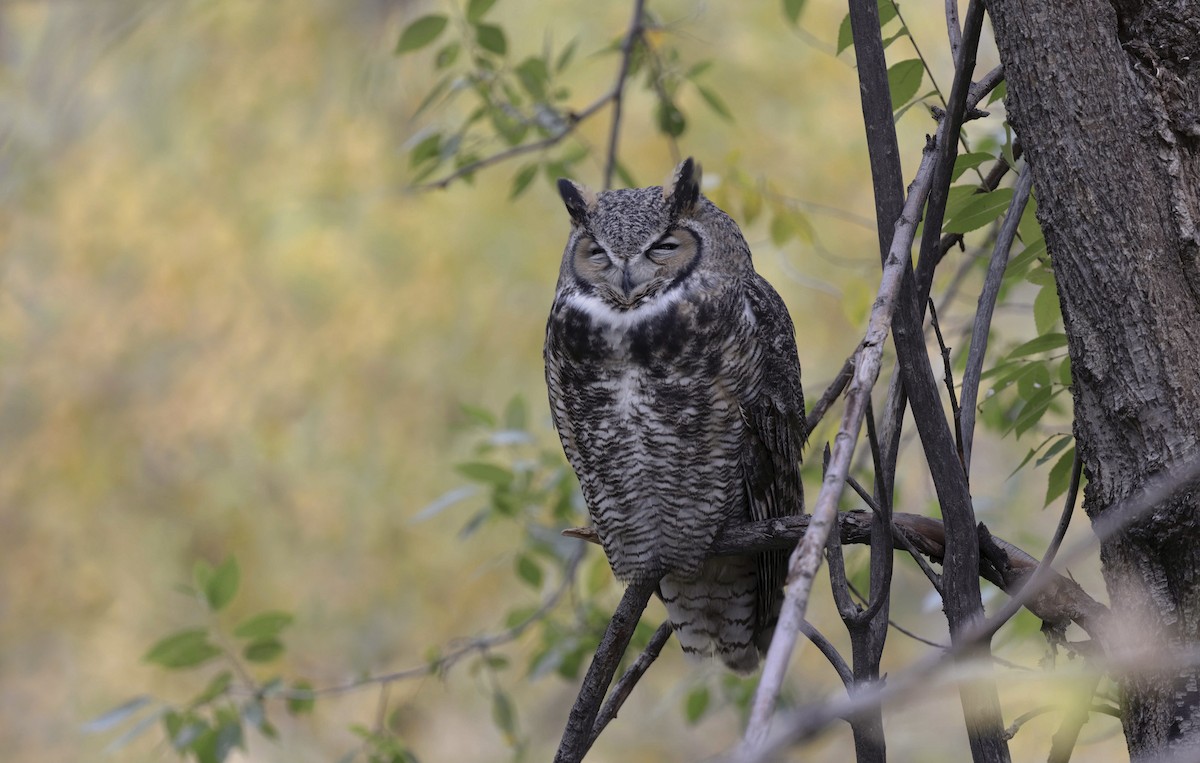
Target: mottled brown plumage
(675, 388)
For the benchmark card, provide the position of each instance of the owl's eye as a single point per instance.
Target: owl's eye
(665, 246)
(597, 254)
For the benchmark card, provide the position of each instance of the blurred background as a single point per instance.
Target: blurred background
(229, 325)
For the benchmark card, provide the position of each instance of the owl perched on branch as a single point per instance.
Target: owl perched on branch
(675, 388)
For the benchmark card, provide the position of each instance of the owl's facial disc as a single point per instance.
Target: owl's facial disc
(627, 280)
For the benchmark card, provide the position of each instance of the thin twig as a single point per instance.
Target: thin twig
(573, 120)
(577, 737)
(1062, 601)
(826, 648)
(810, 720)
(618, 92)
(948, 373)
(953, 28)
(833, 391)
(629, 679)
(475, 645)
(987, 307)
(806, 560)
(1064, 521)
(901, 539)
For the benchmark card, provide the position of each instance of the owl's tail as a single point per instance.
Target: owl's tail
(713, 613)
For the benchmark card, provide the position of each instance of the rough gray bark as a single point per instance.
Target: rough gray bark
(1106, 99)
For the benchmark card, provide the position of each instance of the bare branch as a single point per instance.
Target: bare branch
(983, 315)
(833, 392)
(1032, 593)
(901, 540)
(578, 735)
(632, 675)
(948, 374)
(829, 651)
(1061, 601)
(468, 647)
(953, 28)
(618, 92)
(806, 560)
(573, 119)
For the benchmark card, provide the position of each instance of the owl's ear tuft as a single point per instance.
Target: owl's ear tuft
(580, 200)
(682, 191)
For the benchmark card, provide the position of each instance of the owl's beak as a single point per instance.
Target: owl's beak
(627, 280)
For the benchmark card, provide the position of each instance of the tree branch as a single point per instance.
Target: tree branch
(1030, 591)
(987, 307)
(618, 91)
(632, 675)
(806, 559)
(578, 736)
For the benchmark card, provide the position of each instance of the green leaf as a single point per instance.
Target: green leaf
(504, 715)
(1045, 309)
(429, 147)
(263, 625)
(564, 58)
(420, 33)
(201, 573)
(302, 699)
(792, 9)
(1056, 448)
(696, 704)
(529, 571)
(447, 55)
(782, 229)
(979, 210)
(698, 68)
(481, 471)
(522, 179)
(845, 34)
(887, 12)
(191, 730)
(117, 715)
(228, 736)
(904, 80)
(491, 38)
(534, 76)
(184, 649)
(1036, 378)
(516, 415)
(970, 161)
(1042, 343)
(477, 9)
(670, 119)
(1033, 411)
(998, 92)
(216, 687)
(223, 584)
(1060, 476)
(715, 103)
(263, 650)
(478, 415)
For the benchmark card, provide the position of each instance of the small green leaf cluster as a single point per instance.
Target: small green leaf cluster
(1028, 382)
(508, 102)
(213, 723)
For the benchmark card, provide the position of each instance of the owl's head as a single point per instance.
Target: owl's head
(628, 246)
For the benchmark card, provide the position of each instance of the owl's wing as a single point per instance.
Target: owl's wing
(775, 434)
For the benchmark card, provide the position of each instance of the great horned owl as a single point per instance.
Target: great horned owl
(675, 388)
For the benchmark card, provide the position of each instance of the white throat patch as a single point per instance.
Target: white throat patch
(622, 320)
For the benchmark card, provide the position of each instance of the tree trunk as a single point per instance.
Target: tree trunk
(1105, 97)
